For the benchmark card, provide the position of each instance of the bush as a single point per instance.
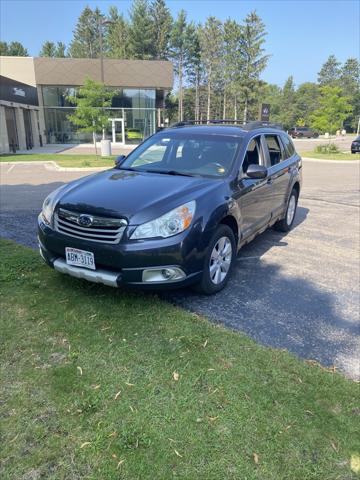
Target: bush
(328, 148)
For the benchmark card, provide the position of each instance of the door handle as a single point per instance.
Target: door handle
(269, 181)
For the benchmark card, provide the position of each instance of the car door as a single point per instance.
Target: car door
(253, 195)
(278, 171)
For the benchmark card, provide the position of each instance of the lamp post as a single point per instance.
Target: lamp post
(101, 23)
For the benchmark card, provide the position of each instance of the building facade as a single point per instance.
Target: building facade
(19, 116)
(138, 104)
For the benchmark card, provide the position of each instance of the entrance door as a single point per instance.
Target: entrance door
(11, 129)
(28, 129)
(118, 130)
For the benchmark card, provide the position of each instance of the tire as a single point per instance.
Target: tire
(285, 224)
(212, 281)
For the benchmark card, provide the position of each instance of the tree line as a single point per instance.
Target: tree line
(218, 65)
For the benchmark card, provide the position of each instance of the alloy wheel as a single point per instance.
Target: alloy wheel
(220, 260)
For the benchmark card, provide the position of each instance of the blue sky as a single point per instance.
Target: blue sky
(301, 34)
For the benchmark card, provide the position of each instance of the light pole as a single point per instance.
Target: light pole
(101, 23)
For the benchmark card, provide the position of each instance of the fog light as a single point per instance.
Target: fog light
(160, 275)
(167, 273)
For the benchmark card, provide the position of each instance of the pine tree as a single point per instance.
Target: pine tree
(178, 53)
(211, 52)
(48, 49)
(330, 72)
(287, 104)
(86, 40)
(350, 76)
(193, 64)
(253, 38)
(141, 32)
(162, 23)
(13, 49)
(233, 63)
(60, 50)
(117, 37)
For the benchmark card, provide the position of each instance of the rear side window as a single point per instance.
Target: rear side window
(289, 146)
(274, 147)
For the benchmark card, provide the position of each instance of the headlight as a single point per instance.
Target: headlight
(49, 205)
(167, 225)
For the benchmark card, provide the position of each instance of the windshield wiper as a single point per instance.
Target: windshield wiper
(170, 172)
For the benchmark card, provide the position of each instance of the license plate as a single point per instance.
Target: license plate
(80, 258)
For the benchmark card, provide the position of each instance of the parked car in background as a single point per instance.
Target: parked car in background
(355, 146)
(176, 210)
(302, 132)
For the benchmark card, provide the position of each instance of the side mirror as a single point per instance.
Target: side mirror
(119, 160)
(256, 171)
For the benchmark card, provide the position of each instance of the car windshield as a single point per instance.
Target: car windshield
(184, 154)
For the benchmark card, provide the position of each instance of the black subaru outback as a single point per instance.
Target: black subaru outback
(176, 210)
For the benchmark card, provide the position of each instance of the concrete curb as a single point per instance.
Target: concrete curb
(50, 165)
(320, 160)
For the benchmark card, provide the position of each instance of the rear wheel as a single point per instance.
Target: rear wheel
(285, 224)
(219, 261)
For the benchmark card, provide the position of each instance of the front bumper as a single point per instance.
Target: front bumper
(126, 262)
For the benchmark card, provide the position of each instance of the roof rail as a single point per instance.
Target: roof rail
(261, 124)
(184, 123)
(245, 126)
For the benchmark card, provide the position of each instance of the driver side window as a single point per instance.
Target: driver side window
(253, 154)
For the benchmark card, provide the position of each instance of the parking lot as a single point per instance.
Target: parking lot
(298, 291)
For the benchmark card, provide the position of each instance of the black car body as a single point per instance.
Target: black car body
(302, 132)
(355, 146)
(230, 184)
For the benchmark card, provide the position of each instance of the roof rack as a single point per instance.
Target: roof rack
(245, 126)
(185, 123)
(261, 124)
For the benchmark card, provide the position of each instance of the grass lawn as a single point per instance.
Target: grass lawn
(97, 383)
(331, 156)
(62, 160)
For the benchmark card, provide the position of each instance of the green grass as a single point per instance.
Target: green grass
(62, 160)
(331, 156)
(87, 382)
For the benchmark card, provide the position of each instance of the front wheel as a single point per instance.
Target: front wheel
(219, 261)
(285, 224)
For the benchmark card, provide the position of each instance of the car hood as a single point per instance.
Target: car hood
(136, 196)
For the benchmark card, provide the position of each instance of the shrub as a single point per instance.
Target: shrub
(328, 148)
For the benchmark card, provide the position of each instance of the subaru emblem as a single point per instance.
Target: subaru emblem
(85, 220)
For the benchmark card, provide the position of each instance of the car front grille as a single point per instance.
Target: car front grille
(101, 230)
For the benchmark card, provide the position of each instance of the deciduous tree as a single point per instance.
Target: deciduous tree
(90, 114)
(333, 109)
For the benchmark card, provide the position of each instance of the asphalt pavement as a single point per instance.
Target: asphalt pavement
(298, 291)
